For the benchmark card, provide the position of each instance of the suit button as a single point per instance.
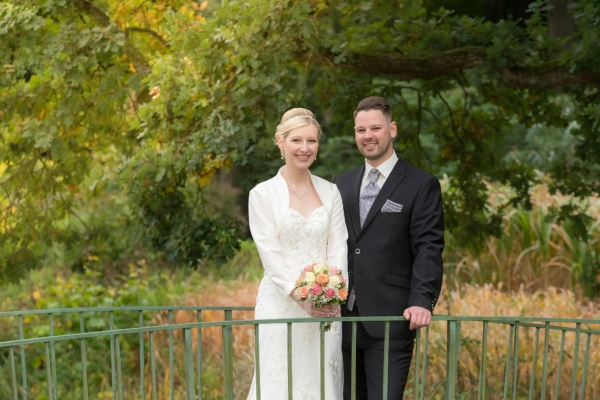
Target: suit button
(350, 273)
(357, 251)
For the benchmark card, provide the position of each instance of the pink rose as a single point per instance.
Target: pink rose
(308, 268)
(303, 292)
(330, 293)
(342, 279)
(317, 289)
(333, 271)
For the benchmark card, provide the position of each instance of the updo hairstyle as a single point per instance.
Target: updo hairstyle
(296, 118)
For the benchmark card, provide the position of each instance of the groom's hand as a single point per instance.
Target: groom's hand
(418, 317)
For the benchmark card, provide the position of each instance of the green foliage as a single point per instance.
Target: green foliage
(147, 101)
(144, 283)
(172, 219)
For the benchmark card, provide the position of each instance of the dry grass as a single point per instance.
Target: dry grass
(488, 301)
(533, 252)
(228, 293)
(469, 300)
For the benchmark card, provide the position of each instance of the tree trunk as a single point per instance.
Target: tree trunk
(494, 10)
(560, 20)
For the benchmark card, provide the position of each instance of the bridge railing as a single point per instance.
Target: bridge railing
(456, 357)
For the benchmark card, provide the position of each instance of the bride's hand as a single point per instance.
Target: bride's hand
(318, 312)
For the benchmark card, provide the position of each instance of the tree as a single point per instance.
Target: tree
(182, 90)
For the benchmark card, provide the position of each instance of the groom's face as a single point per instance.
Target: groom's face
(374, 134)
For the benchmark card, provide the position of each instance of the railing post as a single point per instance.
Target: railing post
(153, 367)
(515, 358)
(53, 357)
(561, 358)
(113, 367)
(119, 370)
(424, 372)
(322, 360)
(575, 359)
(545, 365)
(353, 365)
(483, 369)
(199, 355)
(48, 370)
(142, 359)
(228, 356)
(171, 360)
(585, 366)
(386, 357)
(509, 353)
(13, 374)
(257, 359)
(417, 361)
(534, 362)
(83, 357)
(453, 343)
(289, 360)
(189, 365)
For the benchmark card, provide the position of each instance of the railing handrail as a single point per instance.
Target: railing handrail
(224, 323)
(127, 308)
(438, 317)
(435, 317)
(580, 333)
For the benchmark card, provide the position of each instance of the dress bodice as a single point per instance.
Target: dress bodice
(304, 240)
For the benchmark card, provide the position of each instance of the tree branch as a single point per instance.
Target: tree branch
(405, 68)
(94, 12)
(150, 31)
(136, 57)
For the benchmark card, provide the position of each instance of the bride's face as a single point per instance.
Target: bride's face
(300, 147)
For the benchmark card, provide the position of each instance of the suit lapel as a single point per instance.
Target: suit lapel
(396, 176)
(355, 198)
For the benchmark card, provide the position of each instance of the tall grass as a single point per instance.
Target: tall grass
(534, 251)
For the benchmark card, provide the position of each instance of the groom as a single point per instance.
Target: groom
(395, 227)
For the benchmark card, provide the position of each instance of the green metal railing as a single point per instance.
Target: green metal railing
(456, 357)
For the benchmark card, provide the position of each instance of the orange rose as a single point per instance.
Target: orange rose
(343, 293)
(299, 281)
(322, 279)
(303, 292)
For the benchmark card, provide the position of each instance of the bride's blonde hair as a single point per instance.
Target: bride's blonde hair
(296, 118)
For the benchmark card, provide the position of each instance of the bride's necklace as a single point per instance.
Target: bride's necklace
(300, 196)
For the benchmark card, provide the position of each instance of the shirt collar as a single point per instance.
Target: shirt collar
(385, 169)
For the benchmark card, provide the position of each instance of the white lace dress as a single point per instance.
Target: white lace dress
(302, 241)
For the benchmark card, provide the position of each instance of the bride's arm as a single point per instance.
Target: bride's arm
(264, 233)
(337, 241)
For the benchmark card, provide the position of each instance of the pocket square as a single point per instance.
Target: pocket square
(390, 206)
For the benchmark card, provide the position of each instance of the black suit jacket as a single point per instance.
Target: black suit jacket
(395, 260)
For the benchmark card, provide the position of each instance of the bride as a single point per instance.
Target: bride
(296, 219)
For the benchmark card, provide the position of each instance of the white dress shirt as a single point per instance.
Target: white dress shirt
(385, 169)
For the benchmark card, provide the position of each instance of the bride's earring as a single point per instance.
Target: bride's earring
(281, 151)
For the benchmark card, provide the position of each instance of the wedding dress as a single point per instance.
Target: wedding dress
(303, 241)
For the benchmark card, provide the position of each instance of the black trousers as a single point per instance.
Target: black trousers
(369, 363)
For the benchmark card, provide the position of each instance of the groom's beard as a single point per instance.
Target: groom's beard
(374, 155)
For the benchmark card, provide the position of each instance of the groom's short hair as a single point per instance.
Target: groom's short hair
(375, 103)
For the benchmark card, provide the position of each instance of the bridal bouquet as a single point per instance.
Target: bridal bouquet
(321, 285)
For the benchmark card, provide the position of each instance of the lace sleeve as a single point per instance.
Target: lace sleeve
(264, 233)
